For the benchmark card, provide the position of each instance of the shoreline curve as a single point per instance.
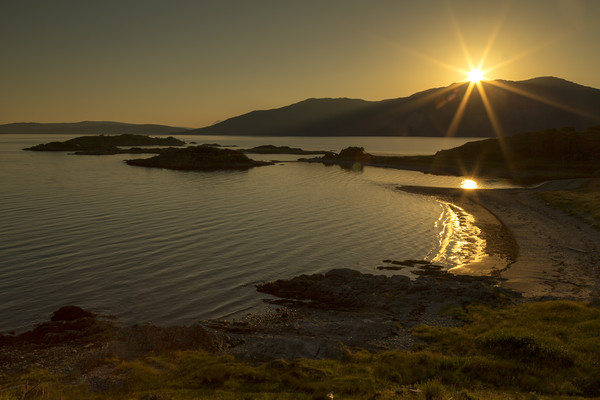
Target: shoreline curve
(548, 253)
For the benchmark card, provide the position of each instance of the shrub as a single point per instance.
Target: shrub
(524, 346)
(433, 390)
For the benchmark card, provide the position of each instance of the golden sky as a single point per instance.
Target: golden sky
(191, 63)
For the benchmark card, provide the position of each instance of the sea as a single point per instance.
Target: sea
(176, 247)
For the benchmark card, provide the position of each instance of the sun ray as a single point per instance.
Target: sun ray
(453, 128)
(496, 127)
(461, 39)
(433, 60)
(477, 73)
(434, 95)
(494, 35)
(519, 56)
(542, 99)
(489, 110)
(527, 52)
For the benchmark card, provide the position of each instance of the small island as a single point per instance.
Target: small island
(108, 144)
(202, 158)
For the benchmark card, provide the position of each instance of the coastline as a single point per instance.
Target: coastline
(500, 247)
(548, 253)
(545, 254)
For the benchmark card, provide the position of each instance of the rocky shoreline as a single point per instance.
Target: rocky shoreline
(311, 316)
(326, 316)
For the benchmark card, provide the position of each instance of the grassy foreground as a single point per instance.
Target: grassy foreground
(583, 202)
(545, 350)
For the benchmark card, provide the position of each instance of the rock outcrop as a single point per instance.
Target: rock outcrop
(347, 289)
(326, 315)
(75, 339)
(202, 158)
(316, 316)
(69, 324)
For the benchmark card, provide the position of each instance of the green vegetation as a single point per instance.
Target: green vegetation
(545, 350)
(583, 202)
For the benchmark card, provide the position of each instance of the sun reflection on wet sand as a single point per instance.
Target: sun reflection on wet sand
(468, 184)
(460, 240)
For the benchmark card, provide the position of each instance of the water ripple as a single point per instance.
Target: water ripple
(175, 247)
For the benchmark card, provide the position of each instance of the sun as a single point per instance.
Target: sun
(475, 75)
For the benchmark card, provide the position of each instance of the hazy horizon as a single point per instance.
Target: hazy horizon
(190, 65)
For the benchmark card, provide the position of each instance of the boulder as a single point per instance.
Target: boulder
(70, 313)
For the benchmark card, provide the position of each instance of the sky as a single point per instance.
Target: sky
(192, 63)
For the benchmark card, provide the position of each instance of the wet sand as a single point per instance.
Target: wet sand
(542, 251)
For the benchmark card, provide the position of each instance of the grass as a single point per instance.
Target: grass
(546, 350)
(583, 203)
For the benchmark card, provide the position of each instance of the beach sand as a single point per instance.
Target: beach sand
(542, 251)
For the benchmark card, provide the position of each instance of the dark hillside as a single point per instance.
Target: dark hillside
(531, 105)
(291, 120)
(552, 153)
(525, 158)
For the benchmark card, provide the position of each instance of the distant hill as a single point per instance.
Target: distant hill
(531, 105)
(89, 128)
(294, 120)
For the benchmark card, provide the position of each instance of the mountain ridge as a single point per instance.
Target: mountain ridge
(518, 106)
(504, 108)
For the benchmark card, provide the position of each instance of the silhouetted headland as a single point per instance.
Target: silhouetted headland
(203, 158)
(524, 158)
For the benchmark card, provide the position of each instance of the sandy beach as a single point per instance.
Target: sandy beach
(546, 252)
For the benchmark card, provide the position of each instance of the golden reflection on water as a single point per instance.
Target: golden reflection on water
(468, 184)
(460, 239)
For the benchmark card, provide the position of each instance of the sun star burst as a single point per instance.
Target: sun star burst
(475, 75)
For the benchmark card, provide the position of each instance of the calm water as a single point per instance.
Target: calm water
(173, 247)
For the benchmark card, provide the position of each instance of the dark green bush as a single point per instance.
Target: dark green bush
(526, 347)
